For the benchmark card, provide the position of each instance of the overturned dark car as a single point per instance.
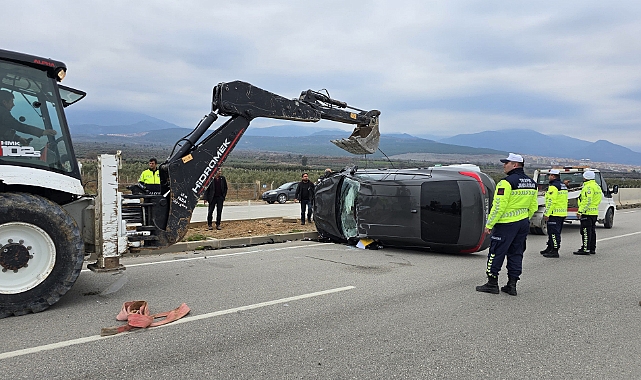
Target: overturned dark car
(441, 208)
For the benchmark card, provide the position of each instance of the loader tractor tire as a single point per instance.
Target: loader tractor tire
(41, 253)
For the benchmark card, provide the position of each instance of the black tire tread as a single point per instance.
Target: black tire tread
(606, 222)
(12, 203)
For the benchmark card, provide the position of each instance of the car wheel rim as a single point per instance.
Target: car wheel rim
(27, 257)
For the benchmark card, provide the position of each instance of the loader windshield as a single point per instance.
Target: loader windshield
(33, 132)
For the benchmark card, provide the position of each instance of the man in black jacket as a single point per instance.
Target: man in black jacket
(215, 196)
(305, 195)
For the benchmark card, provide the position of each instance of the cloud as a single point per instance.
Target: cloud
(429, 66)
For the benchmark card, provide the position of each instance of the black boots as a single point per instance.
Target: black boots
(552, 253)
(492, 286)
(510, 287)
(581, 252)
(546, 250)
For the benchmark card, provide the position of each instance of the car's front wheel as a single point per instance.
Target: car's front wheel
(608, 222)
(282, 198)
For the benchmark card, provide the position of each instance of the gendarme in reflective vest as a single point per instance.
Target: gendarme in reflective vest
(556, 199)
(590, 198)
(150, 178)
(514, 199)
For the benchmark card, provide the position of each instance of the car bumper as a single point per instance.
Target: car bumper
(270, 198)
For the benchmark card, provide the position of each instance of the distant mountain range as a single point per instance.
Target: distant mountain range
(134, 128)
(530, 142)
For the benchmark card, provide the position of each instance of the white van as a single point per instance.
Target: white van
(572, 176)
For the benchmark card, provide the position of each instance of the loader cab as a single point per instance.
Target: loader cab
(34, 136)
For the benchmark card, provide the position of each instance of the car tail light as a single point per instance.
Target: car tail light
(476, 177)
(472, 250)
(480, 182)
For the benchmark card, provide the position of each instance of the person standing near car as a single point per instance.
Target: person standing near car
(556, 209)
(215, 195)
(588, 212)
(305, 195)
(513, 205)
(327, 174)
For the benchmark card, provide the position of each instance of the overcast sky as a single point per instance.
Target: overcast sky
(431, 67)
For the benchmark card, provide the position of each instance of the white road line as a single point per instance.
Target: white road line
(180, 260)
(620, 236)
(73, 342)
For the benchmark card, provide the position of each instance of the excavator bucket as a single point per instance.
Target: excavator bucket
(364, 139)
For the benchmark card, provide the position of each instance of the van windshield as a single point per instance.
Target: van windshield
(571, 180)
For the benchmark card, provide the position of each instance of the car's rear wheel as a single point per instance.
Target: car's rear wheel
(282, 198)
(608, 222)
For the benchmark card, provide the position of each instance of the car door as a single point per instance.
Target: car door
(291, 192)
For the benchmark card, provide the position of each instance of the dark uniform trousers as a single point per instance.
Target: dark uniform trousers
(555, 225)
(588, 232)
(508, 239)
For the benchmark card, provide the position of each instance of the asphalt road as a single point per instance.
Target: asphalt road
(311, 310)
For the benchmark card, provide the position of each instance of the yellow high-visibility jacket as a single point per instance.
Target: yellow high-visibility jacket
(556, 199)
(590, 198)
(150, 178)
(514, 199)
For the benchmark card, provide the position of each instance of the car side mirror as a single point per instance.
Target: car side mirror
(615, 189)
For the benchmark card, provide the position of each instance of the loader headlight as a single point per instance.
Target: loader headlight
(61, 73)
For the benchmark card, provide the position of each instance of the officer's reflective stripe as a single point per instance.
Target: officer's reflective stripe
(495, 210)
(517, 212)
(523, 192)
(490, 260)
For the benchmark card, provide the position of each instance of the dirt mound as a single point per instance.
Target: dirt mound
(244, 228)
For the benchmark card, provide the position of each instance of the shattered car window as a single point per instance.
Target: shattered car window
(347, 207)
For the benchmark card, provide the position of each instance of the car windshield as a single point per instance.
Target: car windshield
(31, 120)
(347, 207)
(286, 185)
